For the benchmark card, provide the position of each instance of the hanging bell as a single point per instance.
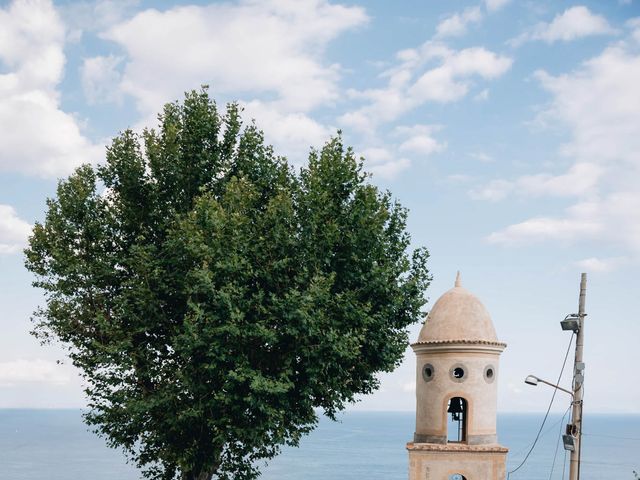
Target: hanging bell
(455, 405)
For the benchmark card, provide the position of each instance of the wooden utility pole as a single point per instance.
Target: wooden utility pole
(578, 382)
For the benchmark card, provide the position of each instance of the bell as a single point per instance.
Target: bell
(455, 405)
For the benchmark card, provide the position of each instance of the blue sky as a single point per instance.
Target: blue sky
(509, 128)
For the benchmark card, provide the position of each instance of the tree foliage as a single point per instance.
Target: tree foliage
(213, 297)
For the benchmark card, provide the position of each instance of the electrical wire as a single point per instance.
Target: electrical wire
(610, 436)
(553, 465)
(547, 430)
(581, 424)
(546, 415)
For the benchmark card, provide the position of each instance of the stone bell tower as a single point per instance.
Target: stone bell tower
(458, 357)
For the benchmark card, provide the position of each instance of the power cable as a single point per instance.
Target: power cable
(547, 430)
(581, 425)
(610, 436)
(553, 465)
(546, 415)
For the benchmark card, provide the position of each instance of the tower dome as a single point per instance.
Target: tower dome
(458, 316)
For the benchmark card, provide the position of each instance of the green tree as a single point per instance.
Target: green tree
(214, 298)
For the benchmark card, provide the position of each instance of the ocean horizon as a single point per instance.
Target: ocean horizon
(56, 445)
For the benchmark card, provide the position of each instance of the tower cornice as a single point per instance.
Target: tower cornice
(461, 345)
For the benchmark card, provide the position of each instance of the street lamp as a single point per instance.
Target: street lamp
(533, 380)
(569, 438)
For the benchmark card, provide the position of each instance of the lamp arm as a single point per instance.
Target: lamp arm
(556, 386)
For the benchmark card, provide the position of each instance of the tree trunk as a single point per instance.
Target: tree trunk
(204, 474)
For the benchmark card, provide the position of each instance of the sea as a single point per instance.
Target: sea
(56, 445)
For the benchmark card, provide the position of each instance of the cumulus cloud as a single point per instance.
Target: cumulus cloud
(194, 44)
(290, 132)
(431, 73)
(482, 157)
(456, 25)
(38, 136)
(579, 180)
(100, 79)
(167, 52)
(16, 372)
(419, 139)
(597, 102)
(493, 5)
(540, 229)
(575, 22)
(383, 162)
(95, 15)
(13, 230)
(600, 265)
(482, 96)
(634, 24)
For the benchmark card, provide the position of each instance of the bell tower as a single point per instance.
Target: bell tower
(458, 356)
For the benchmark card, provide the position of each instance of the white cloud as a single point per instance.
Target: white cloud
(97, 15)
(579, 180)
(184, 47)
(17, 372)
(600, 265)
(452, 80)
(482, 157)
(634, 24)
(459, 178)
(381, 161)
(419, 139)
(411, 143)
(575, 22)
(415, 80)
(598, 103)
(493, 5)
(544, 228)
(482, 96)
(100, 79)
(13, 230)
(423, 144)
(456, 25)
(38, 136)
(168, 52)
(294, 133)
(493, 191)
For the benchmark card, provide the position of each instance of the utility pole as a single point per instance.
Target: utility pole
(578, 382)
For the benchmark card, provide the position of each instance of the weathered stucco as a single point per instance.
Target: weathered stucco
(474, 462)
(433, 396)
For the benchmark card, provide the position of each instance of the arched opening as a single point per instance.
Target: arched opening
(457, 420)
(457, 476)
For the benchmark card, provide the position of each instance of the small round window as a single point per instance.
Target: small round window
(427, 372)
(458, 373)
(489, 373)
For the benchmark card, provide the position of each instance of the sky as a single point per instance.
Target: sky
(509, 128)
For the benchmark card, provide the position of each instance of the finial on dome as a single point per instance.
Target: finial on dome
(458, 281)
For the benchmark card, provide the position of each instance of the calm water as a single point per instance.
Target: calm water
(43, 445)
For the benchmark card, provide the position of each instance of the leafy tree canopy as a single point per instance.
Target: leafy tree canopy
(213, 297)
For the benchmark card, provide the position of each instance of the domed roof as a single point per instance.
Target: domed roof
(458, 315)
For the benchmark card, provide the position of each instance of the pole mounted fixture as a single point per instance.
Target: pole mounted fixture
(571, 322)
